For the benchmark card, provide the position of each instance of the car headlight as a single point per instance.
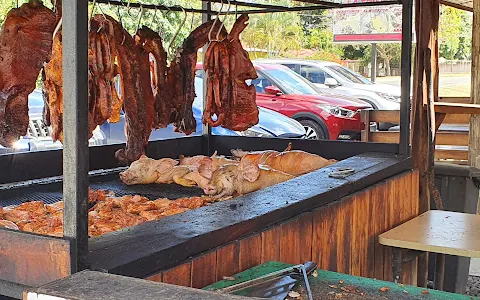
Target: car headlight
(389, 97)
(254, 132)
(337, 111)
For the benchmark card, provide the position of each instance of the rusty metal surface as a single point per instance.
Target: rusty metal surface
(32, 259)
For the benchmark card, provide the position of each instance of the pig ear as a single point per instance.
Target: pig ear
(143, 156)
(214, 154)
(250, 171)
(206, 167)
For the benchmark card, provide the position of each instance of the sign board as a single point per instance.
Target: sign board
(375, 24)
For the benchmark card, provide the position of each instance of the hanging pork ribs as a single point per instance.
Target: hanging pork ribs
(227, 67)
(25, 44)
(152, 43)
(137, 95)
(181, 76)
(103, 101)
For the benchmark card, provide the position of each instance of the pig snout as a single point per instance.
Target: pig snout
(210, 190)
(127, 177)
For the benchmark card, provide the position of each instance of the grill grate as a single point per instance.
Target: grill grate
(52, 192)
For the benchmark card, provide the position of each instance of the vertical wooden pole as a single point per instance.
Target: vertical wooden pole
(75, 123)
(474, 143)
(426, 27)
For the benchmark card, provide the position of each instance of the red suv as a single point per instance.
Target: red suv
(324, 116)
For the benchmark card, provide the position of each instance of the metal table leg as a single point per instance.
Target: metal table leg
(397, 261)
(439, 272)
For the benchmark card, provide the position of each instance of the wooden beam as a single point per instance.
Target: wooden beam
(454, 99)
(457, 108)
(474, 149)
(426, 28)
(454, 138)
(451, 154)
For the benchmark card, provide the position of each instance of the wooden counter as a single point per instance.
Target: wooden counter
(333, 222)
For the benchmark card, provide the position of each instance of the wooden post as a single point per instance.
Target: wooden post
(426, 27)
(474, 133)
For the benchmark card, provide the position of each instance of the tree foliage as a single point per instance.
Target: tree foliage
(455, 33)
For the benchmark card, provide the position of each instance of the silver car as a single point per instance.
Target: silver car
(335, 78)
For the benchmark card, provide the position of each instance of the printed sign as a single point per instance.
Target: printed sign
(376, 24)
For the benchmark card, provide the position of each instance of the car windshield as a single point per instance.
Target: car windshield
(290, 82)
(349, 75)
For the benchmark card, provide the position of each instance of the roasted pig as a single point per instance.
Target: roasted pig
(146, 170)
(241, 179)
(25, 45)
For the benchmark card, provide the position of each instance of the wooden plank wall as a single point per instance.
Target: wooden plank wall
(341, 237)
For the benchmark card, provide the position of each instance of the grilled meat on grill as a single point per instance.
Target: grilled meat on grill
(228, 66)
(181, 76)
(25, 44)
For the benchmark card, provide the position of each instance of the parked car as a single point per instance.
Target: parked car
(330, 76)
(271, 124)
(324, 116)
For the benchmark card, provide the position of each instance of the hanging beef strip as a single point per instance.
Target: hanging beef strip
(152, 43)
(25, 44)
(181, 76)
(228, 66)
(137, 96)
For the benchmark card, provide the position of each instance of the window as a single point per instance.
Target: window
(291, 67)
(313, 74)
(261, 83)
(349, 75)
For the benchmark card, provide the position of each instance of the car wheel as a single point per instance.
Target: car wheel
(313, 130)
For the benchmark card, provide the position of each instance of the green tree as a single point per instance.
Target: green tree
(388, 54)
(276, 33)
(455, 31)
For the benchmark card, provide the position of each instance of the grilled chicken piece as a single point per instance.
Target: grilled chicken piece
(25, 45)
(192, 202)
(146, 170)
(152, 43)
(8, 224)
(242, 179)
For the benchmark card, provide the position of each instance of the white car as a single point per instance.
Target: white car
(332, 77)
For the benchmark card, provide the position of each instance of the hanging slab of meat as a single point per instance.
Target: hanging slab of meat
(104, 103)
(137, 95)
(228, 66)
(53, 90)
(152, 43)
(25, 44)
(241, 179)
(181, 76)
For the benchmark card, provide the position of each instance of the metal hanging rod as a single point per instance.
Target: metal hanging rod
(153, 6)
(262, 8)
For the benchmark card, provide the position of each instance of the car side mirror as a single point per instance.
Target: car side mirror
(273, 90)
(331, 82)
